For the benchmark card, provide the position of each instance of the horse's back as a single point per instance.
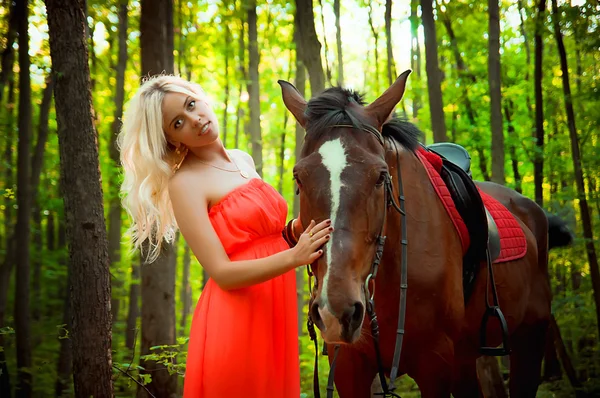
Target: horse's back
(525, 209)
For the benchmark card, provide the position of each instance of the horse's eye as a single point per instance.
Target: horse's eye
(298, 185)
(381, 179)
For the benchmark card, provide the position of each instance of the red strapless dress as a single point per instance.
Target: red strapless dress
(244, 343)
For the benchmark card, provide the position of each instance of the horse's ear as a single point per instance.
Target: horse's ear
(383, 106)
(294, 101)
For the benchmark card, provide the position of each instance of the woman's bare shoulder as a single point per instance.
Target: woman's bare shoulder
(186, 182)
(243, 156)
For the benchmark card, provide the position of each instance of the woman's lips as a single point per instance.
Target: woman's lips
(205, 129)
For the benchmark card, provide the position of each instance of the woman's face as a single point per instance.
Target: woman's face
(189, 120)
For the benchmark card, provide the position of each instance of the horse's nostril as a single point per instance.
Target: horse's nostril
(314, 314)
(353, 316)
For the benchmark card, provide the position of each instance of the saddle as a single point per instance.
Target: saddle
(483, 232)
(456, 173)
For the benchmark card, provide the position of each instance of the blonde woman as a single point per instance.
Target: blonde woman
(178, 175)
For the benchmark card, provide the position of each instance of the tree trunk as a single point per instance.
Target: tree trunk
(338, 41)
(283, 134)
(527, 53)
(22, 231)
(326, 50)
(8, 55)
(376, 39)
(80, 172)
(158, 321)
(133, 312)
(464, 73)
(114, 214)
(226, 100)
(311, 53)
(254, 89)
(156, 44)
(391, 66)
(50, 233)
(64, 366)
(436, 105)
(186, 291)
(415, 56)
(552, 370)
(577, 166)
(538, 158)
(36, 170)
(490, 378)
(158, 278)
(91, 28)
(513, 153)
(495, 93)
(9, 243)
(301, 87)
(243, 78)
(565, 359)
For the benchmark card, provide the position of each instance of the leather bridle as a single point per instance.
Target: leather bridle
(388, 389)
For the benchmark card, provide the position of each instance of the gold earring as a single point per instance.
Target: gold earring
(177, 151)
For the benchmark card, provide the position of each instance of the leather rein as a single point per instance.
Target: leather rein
(398, 205)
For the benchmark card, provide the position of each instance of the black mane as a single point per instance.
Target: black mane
(330, 108)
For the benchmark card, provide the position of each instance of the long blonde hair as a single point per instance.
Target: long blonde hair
(148, 163)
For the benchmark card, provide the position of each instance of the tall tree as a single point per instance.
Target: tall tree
(588, 233)
(391, 67)
(186, 291)
(415, 54)
(9, 243)
(527, 50)
(64, 366)
(36, 169)
(338, 41)
(133, 311)
(114, 213)
(8, 55)
(311, 48)
(494, 79)
(254, 88)
(227, 56)
(436, 103)
(22, 315)
(538, 159)
(326, 49)
(158, 278)
(83, 202)
(375, 34)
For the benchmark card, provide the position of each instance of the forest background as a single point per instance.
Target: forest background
(514, 82)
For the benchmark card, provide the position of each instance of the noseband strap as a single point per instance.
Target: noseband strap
(399, 206)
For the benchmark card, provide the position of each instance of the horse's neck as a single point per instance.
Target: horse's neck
(424, 211)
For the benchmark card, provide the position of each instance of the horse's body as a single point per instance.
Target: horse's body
(339, 175)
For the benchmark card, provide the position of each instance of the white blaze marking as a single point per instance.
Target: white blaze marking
(334, 160)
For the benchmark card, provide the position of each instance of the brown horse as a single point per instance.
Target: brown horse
(349, 153)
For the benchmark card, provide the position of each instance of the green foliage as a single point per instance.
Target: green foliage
(201, 51)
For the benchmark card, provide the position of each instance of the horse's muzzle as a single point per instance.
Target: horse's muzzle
(344, 328)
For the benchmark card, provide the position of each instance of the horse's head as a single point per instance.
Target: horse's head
(342, 175)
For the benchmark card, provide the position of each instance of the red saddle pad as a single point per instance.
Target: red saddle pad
(512, 238)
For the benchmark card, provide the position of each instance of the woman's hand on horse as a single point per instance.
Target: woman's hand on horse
(308, 248)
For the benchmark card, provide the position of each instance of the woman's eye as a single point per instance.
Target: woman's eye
(178, 123)
(192, 104)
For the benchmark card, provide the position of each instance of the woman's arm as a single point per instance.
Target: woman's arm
(190, 209)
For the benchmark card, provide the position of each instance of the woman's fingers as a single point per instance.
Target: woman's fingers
(310, 227)
(323, 232)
